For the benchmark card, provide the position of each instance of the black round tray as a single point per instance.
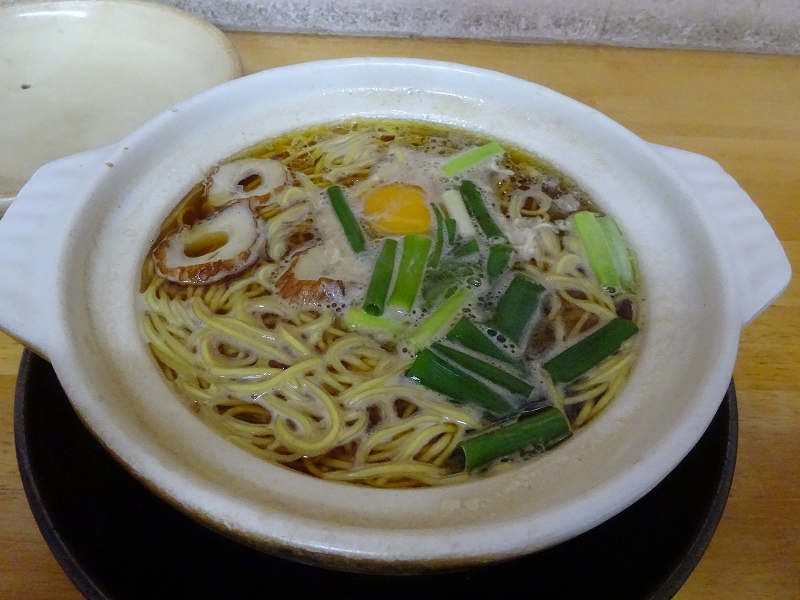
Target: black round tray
(117, 540)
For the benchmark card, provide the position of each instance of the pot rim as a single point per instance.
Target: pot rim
(348, 540)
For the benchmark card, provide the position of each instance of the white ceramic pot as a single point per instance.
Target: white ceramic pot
(72, 244)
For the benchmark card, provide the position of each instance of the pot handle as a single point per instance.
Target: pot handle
(34, 234)
(758, 262)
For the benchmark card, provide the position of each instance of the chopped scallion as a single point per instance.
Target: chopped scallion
(476, 207)
(410, 271)
(446, 280)
(358, 319)
(439, 375)
(597, 251)
(466, 333)
(470, 158)
(375, 298)
(436, 255)
(536, 433)
(620, 255)
(352, 231)
(484, 369)
(516, 307)
(450, 224)
(499, 255)
(466, 249)
(455, 207)
(437, 320)
(590, 351)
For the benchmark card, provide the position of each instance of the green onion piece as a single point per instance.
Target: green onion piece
(597, 250)
(358, 319)
(443, 315)
(450, 224)
(620, 255)
(466, 249)
(470, 158)
(375, 298)
(474, 202)
(590, 351)
(486, 370)
(446, 280)
(410, 271)
(436, 255)
(536, 433)
(499, 255)
(466, 333)
(458, 212)
(516, 307)
(439, 375)
(351, 229)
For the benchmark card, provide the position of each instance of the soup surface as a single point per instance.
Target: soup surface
(393, 304)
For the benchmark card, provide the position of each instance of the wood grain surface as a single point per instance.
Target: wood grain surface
(741, 110)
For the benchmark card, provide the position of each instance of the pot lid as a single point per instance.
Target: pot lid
(79, 74)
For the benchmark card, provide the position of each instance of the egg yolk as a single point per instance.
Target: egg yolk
(398, 209)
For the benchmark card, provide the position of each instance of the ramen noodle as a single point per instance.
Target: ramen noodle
(392, 304)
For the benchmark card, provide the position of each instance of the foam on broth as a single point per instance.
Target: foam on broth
(256, 330)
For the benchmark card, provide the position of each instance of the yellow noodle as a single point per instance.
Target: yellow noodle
(576, 329)
(391, 434)
(407, 469)
(243, 333)
(585, 414)
(599, 307)
(337, 403)
(610, 393)
(609, 369)
(595, 390)
(170, 360)
(335, 463)
(311, 467)
(161, 338)
(303, 444)
(277, 380)
(292, 341)
(417, 440)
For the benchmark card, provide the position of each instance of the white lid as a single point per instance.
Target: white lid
(78, 74)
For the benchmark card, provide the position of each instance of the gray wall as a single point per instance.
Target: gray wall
(771, 26)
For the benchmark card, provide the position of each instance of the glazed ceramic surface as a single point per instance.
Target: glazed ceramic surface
(687, 221)
(80, 74)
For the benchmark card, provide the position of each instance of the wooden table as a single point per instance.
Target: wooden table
(741, 110)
